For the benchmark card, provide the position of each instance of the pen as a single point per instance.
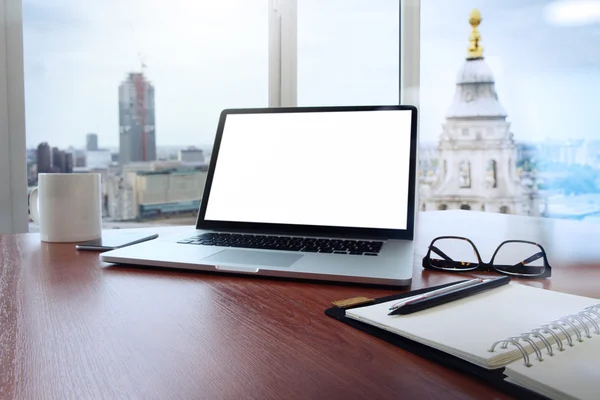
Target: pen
(414, 305)
(447, 289)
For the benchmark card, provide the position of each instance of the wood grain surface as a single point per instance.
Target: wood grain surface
(74, 327)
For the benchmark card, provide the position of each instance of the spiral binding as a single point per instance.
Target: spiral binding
(579, 327)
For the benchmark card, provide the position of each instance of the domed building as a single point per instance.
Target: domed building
(477, 154)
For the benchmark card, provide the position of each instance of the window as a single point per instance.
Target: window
(348, 52)
(227, 51)
(490, 175)
(523, 91)
(13, 193)
(149, 79)
(465, 207)
(504, 210)
(464, 174)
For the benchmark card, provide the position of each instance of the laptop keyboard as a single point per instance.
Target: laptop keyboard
(289, 243)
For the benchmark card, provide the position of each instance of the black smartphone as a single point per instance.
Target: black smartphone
(111, 240)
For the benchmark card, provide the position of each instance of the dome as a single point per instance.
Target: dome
(475, 95)
(475, 71)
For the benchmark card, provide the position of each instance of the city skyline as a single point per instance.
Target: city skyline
(64, 41)
(77, 53)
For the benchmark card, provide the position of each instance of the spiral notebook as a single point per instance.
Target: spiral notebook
(522, 325)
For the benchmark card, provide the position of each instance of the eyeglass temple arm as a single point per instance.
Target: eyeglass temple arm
(440, 253)
(526, 261)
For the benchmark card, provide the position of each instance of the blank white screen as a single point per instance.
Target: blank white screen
(346, 168)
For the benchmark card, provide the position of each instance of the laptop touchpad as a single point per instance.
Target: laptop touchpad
(251, 257)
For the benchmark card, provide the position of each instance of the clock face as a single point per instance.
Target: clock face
(468, 95)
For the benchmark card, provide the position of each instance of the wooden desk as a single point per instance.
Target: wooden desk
(71, 327)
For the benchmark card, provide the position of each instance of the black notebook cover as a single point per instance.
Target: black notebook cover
(494, 377)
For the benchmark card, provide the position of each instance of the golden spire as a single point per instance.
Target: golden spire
(475, 50)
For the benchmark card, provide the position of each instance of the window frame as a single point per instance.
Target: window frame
(13, 162)
(283, 53)
(282, 80)
(410, 53)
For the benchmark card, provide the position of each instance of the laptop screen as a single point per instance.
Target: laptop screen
(336, 168)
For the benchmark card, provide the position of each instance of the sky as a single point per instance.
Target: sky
(208, 55)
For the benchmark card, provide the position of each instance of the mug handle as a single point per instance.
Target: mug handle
(34, 205)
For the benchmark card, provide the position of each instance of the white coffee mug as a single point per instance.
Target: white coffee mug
(67, 207)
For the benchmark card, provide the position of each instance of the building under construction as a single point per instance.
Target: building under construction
(137, 131)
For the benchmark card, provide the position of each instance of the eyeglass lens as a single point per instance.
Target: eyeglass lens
(516, 258)
(453, 254)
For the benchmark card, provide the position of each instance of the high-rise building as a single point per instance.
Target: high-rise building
(91, 142)
(44, 158)
(99, 159)
(78, 157)
(191, 155)
(149, 193)
(68, 163)
(58, 160)
(137, 133)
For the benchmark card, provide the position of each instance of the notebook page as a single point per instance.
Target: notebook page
(467, 327)
(570, 374)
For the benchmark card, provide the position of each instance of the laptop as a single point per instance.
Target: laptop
(325, 193)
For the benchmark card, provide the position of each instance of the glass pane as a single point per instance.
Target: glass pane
(511, 90)
(453, 254)
(147, 79)
(519, 259)
(348, 52)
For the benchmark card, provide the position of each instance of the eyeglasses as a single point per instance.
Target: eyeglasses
(518, 258)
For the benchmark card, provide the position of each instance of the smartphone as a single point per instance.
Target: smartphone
(111, 240)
